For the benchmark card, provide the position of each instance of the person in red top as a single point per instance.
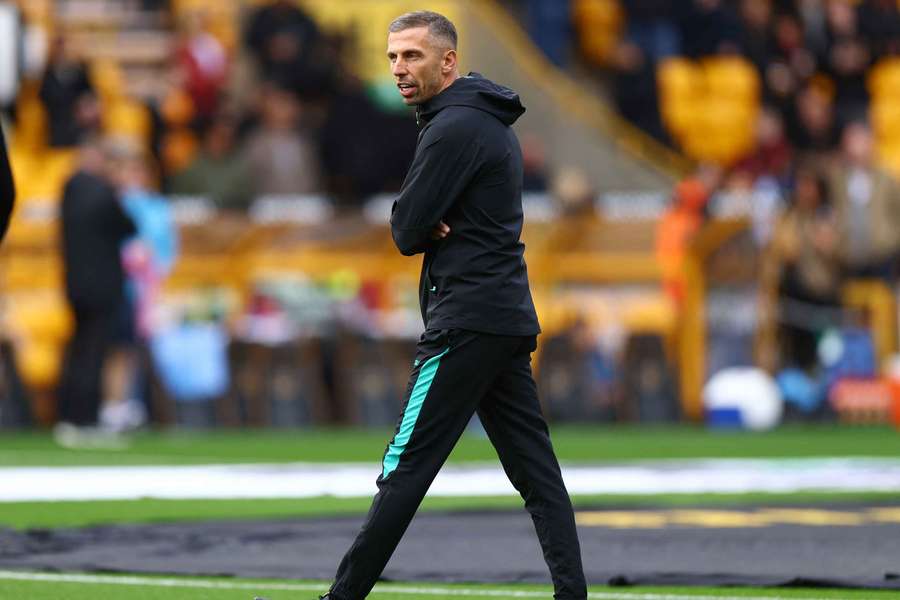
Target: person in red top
(204, 64)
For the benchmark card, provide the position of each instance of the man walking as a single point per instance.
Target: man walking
(461, 206)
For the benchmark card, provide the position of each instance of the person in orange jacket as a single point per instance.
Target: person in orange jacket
(678, 226)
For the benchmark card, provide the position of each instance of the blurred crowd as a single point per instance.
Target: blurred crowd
(269, 117)
(266, 118)
(773, 99)
(788, 107)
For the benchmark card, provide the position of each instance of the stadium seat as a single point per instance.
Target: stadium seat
(885, 116)
(679, 115)
(679, 79)
(888, 154)
(106, 77)
(884, 79)
(731, 77)
(128, 118)
(31, 124)
(599, 24)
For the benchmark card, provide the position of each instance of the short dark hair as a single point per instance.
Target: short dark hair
(438, 25)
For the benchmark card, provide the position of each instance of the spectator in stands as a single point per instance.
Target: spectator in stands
(677, 228)
(772, 154)
(381, 135)
(635, 89)
(879, 23)
(281, 154)
(573, 193)
(534, 164)
(756, 39)
(204, 62)
(218, 172)
(791, 63)
(847, 59)
(651, 36)
(71, 104)
(284, 40)
(550, 26)
(652, 26)
(94, 225)
(802, 264)
(867, 204)
(811, 121)
(708, 27)
(7, 188)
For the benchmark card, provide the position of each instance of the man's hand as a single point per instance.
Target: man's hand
(440, 232)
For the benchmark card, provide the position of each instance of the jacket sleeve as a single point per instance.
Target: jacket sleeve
(7, 188)
(445, 163)
(119, 224)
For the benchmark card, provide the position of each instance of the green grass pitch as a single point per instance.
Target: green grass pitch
(574, 444)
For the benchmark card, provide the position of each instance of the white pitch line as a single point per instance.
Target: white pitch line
(312, 587)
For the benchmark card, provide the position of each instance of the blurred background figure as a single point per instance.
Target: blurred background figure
(218, 170)
(71, 104)
(847, 58)
(148, 257)
(867, 202)
(204, 62)
(94, 226)
(677, 228)
(804, 265)
(550, 25)
(284, 41)
(772, 155)
(535, 176)
(280, 153)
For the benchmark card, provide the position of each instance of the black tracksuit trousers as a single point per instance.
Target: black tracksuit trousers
(455, 374)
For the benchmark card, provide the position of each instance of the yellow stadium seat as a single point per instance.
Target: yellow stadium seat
(724, 132)
(679, 78)
(128, 118)
(56, 166)
(40, 364)
(731, 77)
(888, 155)
(106, 77)
(45, 324)
(31, 124)
(885, 115)
(679, 115)
(599, 24)
(884, 79)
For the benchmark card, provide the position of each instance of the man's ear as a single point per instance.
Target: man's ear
(449, 62)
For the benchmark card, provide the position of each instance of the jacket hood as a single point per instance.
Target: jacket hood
(477, 92)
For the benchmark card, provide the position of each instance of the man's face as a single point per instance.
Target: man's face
(416, 64)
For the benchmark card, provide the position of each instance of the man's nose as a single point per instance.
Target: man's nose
(399, 68)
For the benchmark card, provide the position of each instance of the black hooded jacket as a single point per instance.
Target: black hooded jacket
(7, 189)
(467, 172)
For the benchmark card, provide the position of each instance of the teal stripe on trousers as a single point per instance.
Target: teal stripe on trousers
(411, 414)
